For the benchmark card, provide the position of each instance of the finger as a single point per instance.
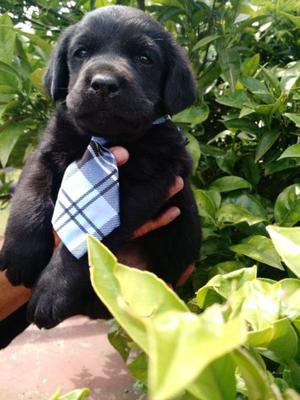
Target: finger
(121, 155)
(185, 275)
(176, 187)
(56, 239)
(162, 220)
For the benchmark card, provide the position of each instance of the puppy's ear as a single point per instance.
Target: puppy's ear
(56, 78)
(180, 86)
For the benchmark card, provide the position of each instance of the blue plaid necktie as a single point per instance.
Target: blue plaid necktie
(88, 199)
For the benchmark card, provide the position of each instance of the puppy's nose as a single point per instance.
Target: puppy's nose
(107, 85)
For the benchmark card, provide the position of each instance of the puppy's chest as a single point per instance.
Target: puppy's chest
(146, 164)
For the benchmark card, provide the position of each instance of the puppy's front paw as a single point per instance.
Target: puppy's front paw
(49, 305)
(24, 261)
(21, 269)
(61, 290)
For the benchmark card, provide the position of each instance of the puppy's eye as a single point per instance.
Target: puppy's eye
(80, 53)
(144, 59)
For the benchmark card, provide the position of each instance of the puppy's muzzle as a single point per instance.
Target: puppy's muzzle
(106, 85)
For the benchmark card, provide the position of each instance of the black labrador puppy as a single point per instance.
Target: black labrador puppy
(112, 74)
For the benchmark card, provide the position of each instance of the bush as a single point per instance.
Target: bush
(243, 136)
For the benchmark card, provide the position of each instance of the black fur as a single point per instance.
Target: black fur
(115, 72)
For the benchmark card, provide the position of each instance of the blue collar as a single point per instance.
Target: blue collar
(157, 121)
(161, 120)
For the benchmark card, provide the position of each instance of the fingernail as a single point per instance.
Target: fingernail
(174, 212)
(121, 155)
(179, 182)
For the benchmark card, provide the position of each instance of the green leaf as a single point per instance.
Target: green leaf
(205, 41)
(259, 248)
(9, 76)
(217, 381)
(278, 166)
(171, 371)
(225, 267)
(293, 117)
(234, 99)
(208, 202)
(229, 183)
(295, 19)
(252, 203)
(250, 65)
(287, 244)
(287, 206)
(41, 43)
(37, 80)
(119, 286)
(291, 394)
(211, 151)
(231, 214)
(258, 302)
(207, 78)
(193, 148)
(229, 60)
(7, 39)
(224, 285)
(258, 386)
(279, 342)
(8, 139)
(266, 142)
(78, 394)
(193, 115)
(254, 85)
(291, 152)
(139, 368)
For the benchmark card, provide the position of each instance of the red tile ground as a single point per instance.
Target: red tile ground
(75, 354)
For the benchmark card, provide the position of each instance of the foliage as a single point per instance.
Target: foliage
(78, 394)
(241, 325)
(243, 133)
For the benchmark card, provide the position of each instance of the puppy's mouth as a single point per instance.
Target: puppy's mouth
(111, 118)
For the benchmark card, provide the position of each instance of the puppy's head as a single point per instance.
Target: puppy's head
(118, 69)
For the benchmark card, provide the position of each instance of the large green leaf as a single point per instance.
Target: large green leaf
(193, 115)
(256, 379)
(266, 142)
(78, 394)
(8, 139)
(250, 202)
(223, 286)
(217, 381)
(7, 39)
(257, 301)
(279, 342)
(205, 41)
(291, 152)
(229, 183)
(44, 46)
(119, 287)
(229, 60)
(259, 248)
(287, 206)
(208, 202)
(250, 65)
(294, 117)
(293, 18)
(177, 355)
(231, 214)
(194, 150)
(287, 244)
